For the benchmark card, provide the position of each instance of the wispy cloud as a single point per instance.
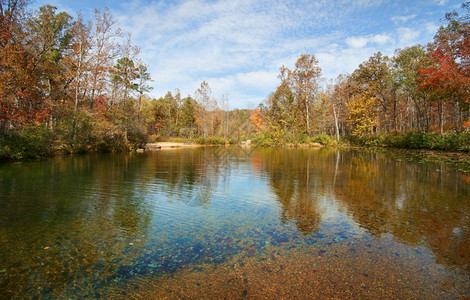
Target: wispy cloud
(407, 36)
(402, 19)
(362, 41)
(441, 2)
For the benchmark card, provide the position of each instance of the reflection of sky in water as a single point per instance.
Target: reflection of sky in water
(88, 224)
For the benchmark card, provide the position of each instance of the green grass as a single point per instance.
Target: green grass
(418, 140)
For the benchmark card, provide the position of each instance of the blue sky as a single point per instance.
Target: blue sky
(237, 46)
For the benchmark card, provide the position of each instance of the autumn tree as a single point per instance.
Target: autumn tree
(104, 50)
(224, 105)
(257, 120)
(283, 121)
(77, 59)
(362, 118)
(303, 81)
(51, 64)
(340, 93)
(205, 117)
(48, 41)
(448, 79)
(31, 74)
(416, 109)
(239, 124)
(374, 78)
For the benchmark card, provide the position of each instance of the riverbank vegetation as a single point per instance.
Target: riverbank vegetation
(67, 84)
(72, 85)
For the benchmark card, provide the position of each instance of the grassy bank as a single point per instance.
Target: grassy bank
(38, 141)
(271, 139)
(417, 140)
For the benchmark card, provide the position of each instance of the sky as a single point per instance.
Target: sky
(238, 46)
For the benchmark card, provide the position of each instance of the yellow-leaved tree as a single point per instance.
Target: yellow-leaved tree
(362, 117)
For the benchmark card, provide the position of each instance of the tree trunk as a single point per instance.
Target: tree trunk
(77, 91)
(441, 117)
(336, 123)
(307, 114)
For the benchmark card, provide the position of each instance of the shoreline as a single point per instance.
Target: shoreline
(169, 145)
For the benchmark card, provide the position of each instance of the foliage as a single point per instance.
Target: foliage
(302, 82)
(257, 120)
(418, 140)
(66, 85)
(31, 142)
(323, 139)
(362, 118)
(211, 140)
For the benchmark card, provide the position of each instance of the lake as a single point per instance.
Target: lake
(233, 223)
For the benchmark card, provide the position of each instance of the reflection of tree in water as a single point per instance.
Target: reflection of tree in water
(79, 215)
(189, 175)
(296, 177)
(192, 175)
(185, 176)
(418, 204)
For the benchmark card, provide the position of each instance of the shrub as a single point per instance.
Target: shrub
(418, 140)
(211, 140)
(30, 142)
(323, 139)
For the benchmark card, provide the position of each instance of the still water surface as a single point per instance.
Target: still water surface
(234, 223)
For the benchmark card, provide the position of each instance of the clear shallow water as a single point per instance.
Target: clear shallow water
(233, 222)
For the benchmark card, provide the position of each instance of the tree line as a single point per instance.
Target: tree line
(419, 89)
(75, 85)
(416, 98)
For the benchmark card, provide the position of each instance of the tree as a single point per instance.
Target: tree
(104, 50)
(340, 93)
(362, 118)
(448, 79)
(188, 110)
(76, 60)
(283, 120)
(49, 40)
(374, 78)
(303, 81)
(257, 120)
(225, 110)
(124, 74)
(407, 63)
(206, 106)
(29, 63)
(143, 78)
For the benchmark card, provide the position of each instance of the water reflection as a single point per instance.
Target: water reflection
(296, 179)
(419, 204)
(72, 226)
(64, 219)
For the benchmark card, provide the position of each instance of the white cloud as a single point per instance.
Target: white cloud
(380, 39)
(356, 42)
(261, 80)
(361, 41)
(402, 19)
(431, 28)
(407, 36)
(343, 60)
(441, 2)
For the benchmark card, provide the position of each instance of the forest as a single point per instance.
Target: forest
(71, 85)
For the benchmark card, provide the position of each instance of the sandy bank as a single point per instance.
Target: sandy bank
(169, 145)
